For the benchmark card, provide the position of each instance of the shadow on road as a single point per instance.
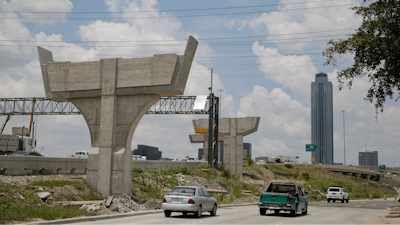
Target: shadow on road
(284, 215)
(191, 215)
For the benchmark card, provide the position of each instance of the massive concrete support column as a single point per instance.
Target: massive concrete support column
(113, 95)
(201, 138)
(231, 131)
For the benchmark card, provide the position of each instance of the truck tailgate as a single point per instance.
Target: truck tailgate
(274, 198)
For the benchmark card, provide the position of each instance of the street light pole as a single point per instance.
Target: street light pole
(220, 101)
(344, 139)
(211, 123)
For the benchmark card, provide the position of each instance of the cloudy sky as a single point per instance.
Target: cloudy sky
(265, 54)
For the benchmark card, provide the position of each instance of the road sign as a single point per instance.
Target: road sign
(200, 102)
(297, 157)
(311, 148)
(313, 159)
(382, 167)
(201, 130)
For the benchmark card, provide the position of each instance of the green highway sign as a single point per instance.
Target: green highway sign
(382, 167)
(297, 157)
(311, 148)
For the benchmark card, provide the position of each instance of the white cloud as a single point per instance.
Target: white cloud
(294, 72)
(39, 6)
(286, 21)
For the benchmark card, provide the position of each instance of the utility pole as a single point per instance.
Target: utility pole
(211, 124)
(220, 101)
(344, 139)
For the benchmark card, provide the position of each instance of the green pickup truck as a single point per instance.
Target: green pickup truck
(283, 196)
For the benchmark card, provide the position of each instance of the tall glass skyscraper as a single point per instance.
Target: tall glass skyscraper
(322, 119)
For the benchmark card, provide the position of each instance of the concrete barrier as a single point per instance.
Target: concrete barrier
(20, 165)
(155, 164)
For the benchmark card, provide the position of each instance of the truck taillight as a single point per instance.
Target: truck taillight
(288, 198)
(191, 201)
(164, 200)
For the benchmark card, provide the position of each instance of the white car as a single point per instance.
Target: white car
(260, 162)
(337, 193)
(189, 199)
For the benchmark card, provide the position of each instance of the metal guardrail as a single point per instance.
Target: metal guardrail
(43, 106)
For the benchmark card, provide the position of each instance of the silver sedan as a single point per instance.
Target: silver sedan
(189, 199)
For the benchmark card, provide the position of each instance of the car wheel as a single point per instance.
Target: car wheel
(293, 213)
(347, 200)
(329, 200)
(305, 212)
(342, 200)
(276, 211)
(184, 213)
(167, 213)
(263, 211)
(213, 212)
(198, 213)
(334, 201)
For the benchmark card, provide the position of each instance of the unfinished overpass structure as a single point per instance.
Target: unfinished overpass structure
(231, 131)
(113, 95)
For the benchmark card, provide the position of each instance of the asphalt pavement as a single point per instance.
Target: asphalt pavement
(365, 204)
(250, 215)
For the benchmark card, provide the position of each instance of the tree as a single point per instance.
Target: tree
(376, 49)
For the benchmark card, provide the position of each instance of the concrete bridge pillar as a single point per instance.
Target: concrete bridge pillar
(201, 138)
(113, 95)
(231, 131)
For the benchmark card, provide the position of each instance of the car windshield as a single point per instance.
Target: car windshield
(18, 153)
(334, 189)
(183, 190)
(282, 188)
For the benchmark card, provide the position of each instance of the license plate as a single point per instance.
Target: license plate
(176, 200)
(273, 207)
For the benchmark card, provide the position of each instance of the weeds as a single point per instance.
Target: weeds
(52, 183)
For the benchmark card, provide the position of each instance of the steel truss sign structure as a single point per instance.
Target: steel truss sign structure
(166, 105)
(44, 106)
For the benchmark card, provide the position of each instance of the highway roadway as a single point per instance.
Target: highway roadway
(354, 212)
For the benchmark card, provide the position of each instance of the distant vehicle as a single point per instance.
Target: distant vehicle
(139, 157)
(283, 196)
(79, 155)
(260, 162)
(164, 159)
(26, 153)
(189, 199)
(174, 159)
(289, 162)
(14, 143)
(184, 160)
(192, 159)
(337, 193)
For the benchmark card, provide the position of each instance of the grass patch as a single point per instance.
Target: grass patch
(52, 183)
(14, 210)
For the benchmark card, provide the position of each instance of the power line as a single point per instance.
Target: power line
(170, 10)
(174, 16)
(199, 39)
(162, 45)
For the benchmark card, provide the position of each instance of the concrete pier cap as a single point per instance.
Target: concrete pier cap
(113, 95)
(231, 132)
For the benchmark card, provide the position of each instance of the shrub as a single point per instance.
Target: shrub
(265, 166)
(306, 176)
(289, 166)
